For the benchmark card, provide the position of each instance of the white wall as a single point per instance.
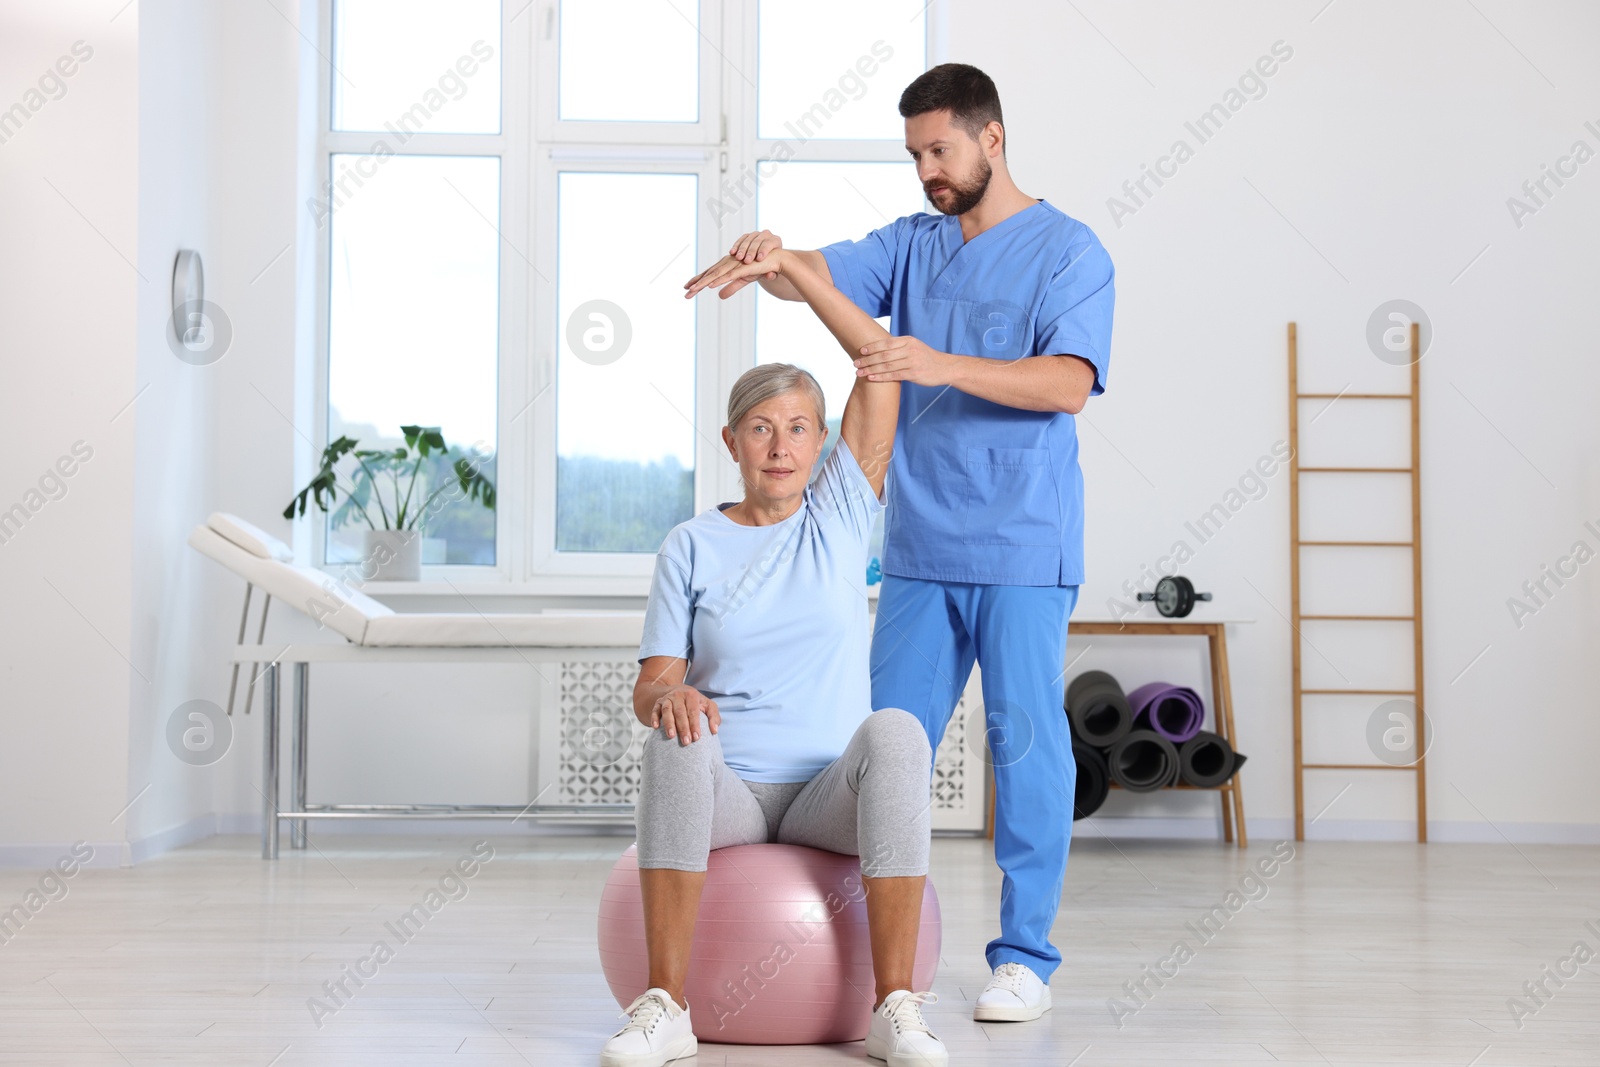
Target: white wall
(105, 183)
(1376, 166)
(176, 419)
(265, 428)
(70, 294)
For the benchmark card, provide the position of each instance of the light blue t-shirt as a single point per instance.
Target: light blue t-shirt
(773, 621)
(981, 492)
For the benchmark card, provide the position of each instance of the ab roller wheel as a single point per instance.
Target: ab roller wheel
(1174, 596)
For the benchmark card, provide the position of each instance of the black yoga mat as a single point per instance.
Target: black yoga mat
(1143, 761)
(1098, 709)
(1094, 781)
(1206, 760)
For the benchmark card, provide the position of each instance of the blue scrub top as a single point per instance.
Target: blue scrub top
(981, 492)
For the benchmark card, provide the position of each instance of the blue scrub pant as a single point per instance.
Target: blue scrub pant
(923, 646)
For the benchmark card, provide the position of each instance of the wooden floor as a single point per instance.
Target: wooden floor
(1352, 953)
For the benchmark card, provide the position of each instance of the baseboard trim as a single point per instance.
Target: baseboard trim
(1440, 831)
(196, 829)
(107, 854)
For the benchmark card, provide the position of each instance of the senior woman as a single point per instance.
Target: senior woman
(754, 679)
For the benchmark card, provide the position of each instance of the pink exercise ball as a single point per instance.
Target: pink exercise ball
(781, 950)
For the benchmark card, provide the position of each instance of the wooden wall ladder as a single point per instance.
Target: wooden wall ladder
(1414, 544)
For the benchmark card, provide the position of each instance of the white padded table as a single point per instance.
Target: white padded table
(375, 633)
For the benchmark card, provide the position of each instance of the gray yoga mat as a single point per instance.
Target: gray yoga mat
(1206, 760)
(1097, 709)
(1143, 761)
(1094, 781)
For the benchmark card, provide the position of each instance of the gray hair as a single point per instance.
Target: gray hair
(767, 380)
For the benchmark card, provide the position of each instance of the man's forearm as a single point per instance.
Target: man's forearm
(784, 289)
(1037, 383)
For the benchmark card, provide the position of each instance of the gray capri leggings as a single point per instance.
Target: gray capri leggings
(873, 801)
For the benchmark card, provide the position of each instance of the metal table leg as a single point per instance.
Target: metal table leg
(244, 617)
(261, 633)
(297, 772)
(269, 765)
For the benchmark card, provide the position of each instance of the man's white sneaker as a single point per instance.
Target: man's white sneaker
(658, 1032)
(899, 1034)
(1014, 995)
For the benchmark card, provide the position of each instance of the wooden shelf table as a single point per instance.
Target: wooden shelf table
(1215, 631)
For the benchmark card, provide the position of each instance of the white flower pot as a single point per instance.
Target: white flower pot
(391, 555)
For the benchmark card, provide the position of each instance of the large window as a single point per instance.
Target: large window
(515, 195)
(410, 210)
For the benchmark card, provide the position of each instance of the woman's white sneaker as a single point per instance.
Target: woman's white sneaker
(899, 1034)
(658, 1032)
(1014, 995)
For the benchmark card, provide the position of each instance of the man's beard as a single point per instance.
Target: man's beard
(964, 197)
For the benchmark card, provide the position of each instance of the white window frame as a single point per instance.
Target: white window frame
(534, 146)
(543, 559)
(511, 147)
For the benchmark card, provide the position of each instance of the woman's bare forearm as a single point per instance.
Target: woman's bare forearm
(850, 326)
(782, 288)
(870, 415)
(658, 676)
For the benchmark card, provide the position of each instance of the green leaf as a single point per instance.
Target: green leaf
(422, 443)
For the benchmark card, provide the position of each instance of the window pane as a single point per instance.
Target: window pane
(836, 68)
(625, 433)
(413, 66)
(413, 335)
(630, 60)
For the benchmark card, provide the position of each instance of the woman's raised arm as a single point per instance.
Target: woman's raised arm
(870, 414)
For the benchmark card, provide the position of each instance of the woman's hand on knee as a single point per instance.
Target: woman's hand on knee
(678, 712)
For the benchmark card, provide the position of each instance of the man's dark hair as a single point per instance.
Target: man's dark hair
(964, 91)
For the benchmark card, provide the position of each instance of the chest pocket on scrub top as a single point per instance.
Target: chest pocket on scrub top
(1011, 497)
(999, 329)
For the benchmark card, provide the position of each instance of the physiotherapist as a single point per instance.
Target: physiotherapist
(1000, 313)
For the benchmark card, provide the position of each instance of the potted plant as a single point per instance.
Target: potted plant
(393, 549)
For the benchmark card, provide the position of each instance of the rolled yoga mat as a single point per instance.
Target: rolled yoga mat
(1206, 760)
(1097, 709)
(1094, 781)
(1173, 711)
(1143, 762)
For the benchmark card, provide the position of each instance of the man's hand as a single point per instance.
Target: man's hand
(754, 246)
(678, 711)
(905, 359)
(748, 249)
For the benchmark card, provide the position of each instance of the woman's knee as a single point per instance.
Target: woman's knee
(894, 733)
(663, 755)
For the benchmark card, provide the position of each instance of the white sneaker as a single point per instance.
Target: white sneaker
(1014, 995)
(899, 1034)
(658, 1032)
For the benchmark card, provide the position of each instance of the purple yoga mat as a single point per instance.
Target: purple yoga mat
(1173, 711)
